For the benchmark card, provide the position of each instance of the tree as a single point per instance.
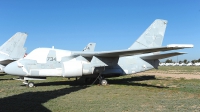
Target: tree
(185, 61)
(193, 61)
(168, 61)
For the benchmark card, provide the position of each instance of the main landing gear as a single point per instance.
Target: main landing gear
(29, 84)
(102, 80)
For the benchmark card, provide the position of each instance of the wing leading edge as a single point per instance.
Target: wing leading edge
(130, 52)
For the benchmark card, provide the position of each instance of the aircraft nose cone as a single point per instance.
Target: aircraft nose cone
(14, 69)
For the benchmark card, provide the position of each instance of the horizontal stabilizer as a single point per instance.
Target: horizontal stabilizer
(161, 56)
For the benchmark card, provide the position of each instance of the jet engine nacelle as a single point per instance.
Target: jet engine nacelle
(72, 68)
(75, 68)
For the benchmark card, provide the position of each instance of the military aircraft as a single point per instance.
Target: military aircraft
(142, 55)
(12, 50)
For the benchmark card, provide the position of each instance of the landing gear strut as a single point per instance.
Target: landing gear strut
(102, 81)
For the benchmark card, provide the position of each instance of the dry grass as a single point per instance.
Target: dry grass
(123, 94)
(177, 70)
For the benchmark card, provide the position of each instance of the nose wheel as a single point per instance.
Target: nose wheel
(29, 84)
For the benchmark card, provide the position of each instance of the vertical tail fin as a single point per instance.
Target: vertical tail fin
(90, 47)
(152, 37)
(14, 47)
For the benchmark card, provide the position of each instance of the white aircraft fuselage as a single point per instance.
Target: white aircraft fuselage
(47, 62)
(142, 55)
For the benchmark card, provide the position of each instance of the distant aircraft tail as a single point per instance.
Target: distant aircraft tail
(14, 47)
(90, 47)
(152, 37)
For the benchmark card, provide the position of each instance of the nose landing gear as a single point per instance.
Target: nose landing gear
(29, 84)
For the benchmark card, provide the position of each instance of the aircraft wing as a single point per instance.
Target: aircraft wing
(161, 56)
(130, 52)
(6, 62)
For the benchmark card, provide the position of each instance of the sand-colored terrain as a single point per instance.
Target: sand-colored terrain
(186, 72)
(171, 75)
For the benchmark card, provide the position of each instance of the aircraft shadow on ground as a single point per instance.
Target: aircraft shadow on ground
(134, 81)
(2, 74)
(57, 83)
(6, 79)
(32, 101)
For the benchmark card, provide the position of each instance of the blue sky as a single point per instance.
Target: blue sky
(112, 24)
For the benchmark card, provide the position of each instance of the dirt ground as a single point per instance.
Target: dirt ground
(185, 76)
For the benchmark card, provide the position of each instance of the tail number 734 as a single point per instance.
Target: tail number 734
(51, 58)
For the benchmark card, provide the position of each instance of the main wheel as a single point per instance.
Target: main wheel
(31, 84)
(104, 82)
